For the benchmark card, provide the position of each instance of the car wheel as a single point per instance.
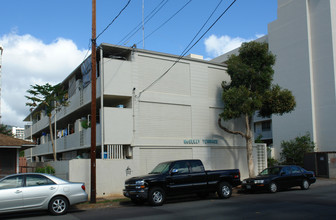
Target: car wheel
(156, 196)
(138, 201)
(273, 187)
(58, 205)
(224, 190)
(305, 184)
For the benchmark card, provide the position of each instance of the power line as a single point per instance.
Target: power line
(166, 21)
(148, 18)
(113, 19)
(186, 51)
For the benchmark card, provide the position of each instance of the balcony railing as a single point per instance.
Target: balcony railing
(79, 99)
(75, 141)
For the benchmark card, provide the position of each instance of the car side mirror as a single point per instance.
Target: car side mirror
(174, 171)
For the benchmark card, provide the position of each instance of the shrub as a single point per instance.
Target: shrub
(293, 151)
(47, 169)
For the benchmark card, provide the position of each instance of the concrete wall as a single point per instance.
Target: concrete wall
(332, 165)
(111, 174)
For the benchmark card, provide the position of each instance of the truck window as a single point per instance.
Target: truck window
(181, 166)
(196, 166)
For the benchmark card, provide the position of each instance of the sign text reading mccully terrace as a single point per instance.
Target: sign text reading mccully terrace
(197, 141)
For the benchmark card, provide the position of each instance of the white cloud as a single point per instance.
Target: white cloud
(26, 61)
(216, 46)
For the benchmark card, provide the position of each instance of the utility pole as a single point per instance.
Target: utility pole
(93, 105)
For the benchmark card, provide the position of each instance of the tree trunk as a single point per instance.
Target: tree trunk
(52, 139)
(249, 147)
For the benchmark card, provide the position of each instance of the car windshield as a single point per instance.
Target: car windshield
(270, 171)
(161, 168)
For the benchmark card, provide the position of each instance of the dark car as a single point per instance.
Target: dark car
(180, 177)
(280, 177)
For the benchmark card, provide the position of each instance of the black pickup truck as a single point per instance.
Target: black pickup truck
(180, 177)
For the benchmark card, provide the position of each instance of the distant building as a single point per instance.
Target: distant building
(18, 132)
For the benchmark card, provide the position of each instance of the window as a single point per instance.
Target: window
(296, 170)
(286, 170)
(196, 166)
(266, 126)
(181, 166)
(37, 180)
(11, 182)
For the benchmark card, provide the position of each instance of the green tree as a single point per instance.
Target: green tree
(47, 98)
(293, 150)
(251, 90)
(4, 130)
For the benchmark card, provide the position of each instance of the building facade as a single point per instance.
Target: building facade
(303, 38)
(18, 133)
(144, 113)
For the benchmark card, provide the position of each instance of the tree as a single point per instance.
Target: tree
(293, 150)
(47, 98)
(4, 130)
(251, 90)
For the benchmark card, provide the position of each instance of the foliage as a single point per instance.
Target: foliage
(85, 124)
(293, 150)
(4, 130)
(47, 169)
(47, 98)
(258, 139)
(251, 90)
(272, 162)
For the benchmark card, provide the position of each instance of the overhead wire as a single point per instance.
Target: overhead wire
(147, 19)
(166, 21)
(187, 50)
(113, 20)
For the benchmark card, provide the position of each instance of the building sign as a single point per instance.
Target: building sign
(197, 141)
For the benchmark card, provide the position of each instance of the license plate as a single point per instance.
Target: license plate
(248, 187)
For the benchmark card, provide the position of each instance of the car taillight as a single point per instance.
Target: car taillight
(83, 187)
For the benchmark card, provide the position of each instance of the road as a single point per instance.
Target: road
(319, 202)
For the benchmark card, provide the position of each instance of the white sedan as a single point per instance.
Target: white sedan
(36, 191)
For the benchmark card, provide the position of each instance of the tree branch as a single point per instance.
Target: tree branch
(229, 131)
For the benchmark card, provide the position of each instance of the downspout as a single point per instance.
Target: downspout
(102, 130)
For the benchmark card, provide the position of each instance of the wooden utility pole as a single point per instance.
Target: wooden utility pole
(93, 105)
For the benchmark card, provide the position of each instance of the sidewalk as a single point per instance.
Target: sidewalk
(323, 181)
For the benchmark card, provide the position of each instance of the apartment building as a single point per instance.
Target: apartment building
(18, 133)
(144, 113)
(304, 41)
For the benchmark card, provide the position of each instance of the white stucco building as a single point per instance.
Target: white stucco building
(143, 116)
(304, 41)
(303, 38)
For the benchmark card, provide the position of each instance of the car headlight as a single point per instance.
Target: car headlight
(140, 182)
(244, 181)
(258, 181)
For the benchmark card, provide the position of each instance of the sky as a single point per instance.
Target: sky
(44, 41)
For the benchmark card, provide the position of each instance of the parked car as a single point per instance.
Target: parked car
(35, 191)
(280, 177)
(180, 177)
